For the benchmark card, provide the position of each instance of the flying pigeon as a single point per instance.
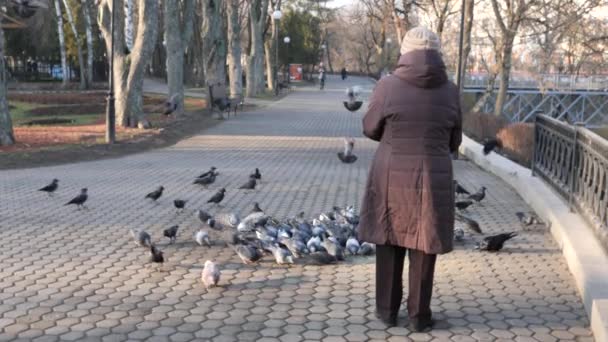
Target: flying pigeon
(211, 274)
(171, 233)
(50, 189)
(80, 199)
(141, 238)
(347, 156)
(352, 104)
(496, 242)
(155, 195)
(218, 197)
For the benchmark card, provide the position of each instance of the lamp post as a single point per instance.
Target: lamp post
(389, 41)
(459, 73)
(110, 110)
(276, 15)
(287, 40)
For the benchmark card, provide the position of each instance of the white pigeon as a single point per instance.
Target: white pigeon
(211, 274)
(202, 238)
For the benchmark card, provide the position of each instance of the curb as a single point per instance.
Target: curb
(586, 259)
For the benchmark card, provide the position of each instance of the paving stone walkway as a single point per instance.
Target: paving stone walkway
(68, 275)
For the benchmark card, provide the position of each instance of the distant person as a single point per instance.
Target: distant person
(321, 76)
(344, 75)
(408, 207)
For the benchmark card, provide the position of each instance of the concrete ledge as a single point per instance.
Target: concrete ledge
(586, 259)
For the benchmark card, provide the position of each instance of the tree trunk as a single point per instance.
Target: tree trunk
(176, 43)
(269, 53)
(81, 62)
(469, 6)
(331, 68)
(129, 24)
(60, 34)
(6, 125)
(235, 69)
(128, 70)
(505, 70)
(477, 108)
(255, 63)
(88, 27)
(214, 42)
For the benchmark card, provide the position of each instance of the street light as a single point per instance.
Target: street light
(276, 15)
(110, 110)
(287, 40)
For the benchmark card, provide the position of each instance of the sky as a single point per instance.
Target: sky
(338, 3)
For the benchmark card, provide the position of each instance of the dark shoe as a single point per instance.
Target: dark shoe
(422, 326)
(390, 321)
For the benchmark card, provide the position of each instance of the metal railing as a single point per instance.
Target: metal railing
(544, 82)
(574, 161)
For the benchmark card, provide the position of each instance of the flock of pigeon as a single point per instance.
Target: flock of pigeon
(326, 239)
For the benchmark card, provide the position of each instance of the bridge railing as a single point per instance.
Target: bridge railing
(545, 81)
(574, 161)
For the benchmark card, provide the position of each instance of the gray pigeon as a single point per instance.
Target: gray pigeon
(367, 249)
(250, 185)
(202, 238)
(141, 237)
(203, 216)
(204, 181)
(479, 195)
(469, 223)
(352, 246)
(281, 256)
(247, 253)
(211, 274)
(50, 189)
(155, 195)
(314, 244)
(171, 233)
(296, 247)
(333, 248)
(320, 258)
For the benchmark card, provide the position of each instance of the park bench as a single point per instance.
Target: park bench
(219, 99)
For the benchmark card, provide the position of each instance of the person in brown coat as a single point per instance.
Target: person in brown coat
(409, 200)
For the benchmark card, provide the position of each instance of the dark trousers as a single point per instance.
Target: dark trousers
(389, 282)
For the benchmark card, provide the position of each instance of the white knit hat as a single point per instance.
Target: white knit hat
(420, 38)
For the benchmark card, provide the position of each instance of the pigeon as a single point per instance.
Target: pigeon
(202, 238)
(320, 258)
(463, 205)
(170, 105)
(250, 185)
(479, 195)
(156, 255)
(80, 199)
(347, 156)
(218, 197)
(204, 181)
(527, 220)
(490, 145)
(203, 216)
(247, 253)
(495, 243)
(257, 175)
(211, 274)
(256, 208)
(208, 173)
(50, 189)
(367, 249)
(314, 244)
(459, 189)
(226, 220)
(251, 221)
(469, 223)
(333, 248)
(458, 234)
(179, 204)
(352, 246)
(171, 233)
(352, 105)
(155, 195)
(141, 237)
(281, 256)
(295, 246)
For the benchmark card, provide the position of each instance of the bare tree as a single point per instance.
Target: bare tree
(469, 9)
(62, 49)
(258, 10)
(441, 11)
(235, 69)
(81, 62)
(88, 28)
(129, 30)
(128, 69)
(178, 31)
(509, 15)
(6, 125)
(270, 46)
(214, 41)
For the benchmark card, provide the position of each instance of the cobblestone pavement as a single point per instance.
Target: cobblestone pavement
(76, 275)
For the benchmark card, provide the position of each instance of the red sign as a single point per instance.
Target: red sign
(295, 72)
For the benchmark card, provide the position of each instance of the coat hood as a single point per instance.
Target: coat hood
(422, 68)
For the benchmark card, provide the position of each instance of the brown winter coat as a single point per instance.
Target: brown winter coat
(415, 115)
